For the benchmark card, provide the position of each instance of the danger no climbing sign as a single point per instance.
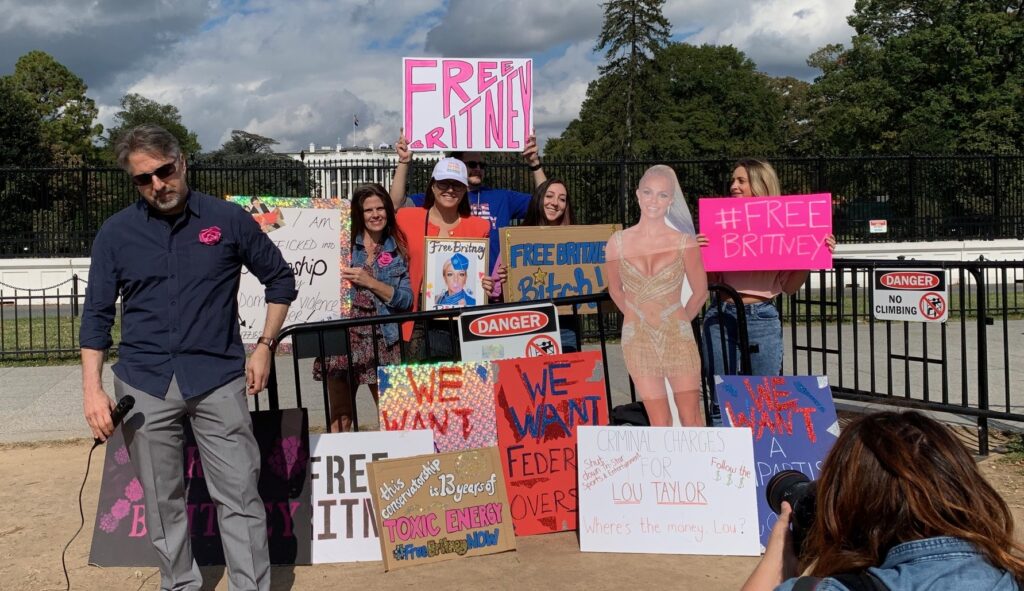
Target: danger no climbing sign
(915, 295)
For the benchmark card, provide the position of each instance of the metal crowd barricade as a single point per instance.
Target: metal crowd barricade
(962, 366)
(320, 339)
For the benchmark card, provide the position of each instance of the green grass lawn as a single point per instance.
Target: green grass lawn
(42, 340)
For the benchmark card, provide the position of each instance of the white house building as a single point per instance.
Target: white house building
(339, 170)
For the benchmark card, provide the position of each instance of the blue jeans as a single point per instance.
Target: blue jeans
(764, 329)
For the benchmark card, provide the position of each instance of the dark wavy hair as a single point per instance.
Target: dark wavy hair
(428, 200)
(359, 196)
(894, 477)
(535, 211)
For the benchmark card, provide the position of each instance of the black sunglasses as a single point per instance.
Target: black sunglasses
(475, 164)
(141, 180)
(454, 186)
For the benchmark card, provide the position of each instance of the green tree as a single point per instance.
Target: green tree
(796, 128)
(633, 31)
(66, 114)
(21, 140)
(923, 76)
(137, 110)
(246, 165)
(242, 143)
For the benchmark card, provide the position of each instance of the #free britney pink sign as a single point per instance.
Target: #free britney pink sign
(766, 233)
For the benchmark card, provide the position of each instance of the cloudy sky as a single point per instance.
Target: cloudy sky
(298, 70)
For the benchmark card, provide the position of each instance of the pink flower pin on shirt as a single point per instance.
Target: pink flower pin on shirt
(384, 259)
(210, 236)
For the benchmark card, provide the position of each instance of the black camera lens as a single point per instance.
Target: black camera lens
(800, 492)
(783, 487)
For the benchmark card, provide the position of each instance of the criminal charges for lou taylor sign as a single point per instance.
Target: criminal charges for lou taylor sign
(467, 104)
(766, 233)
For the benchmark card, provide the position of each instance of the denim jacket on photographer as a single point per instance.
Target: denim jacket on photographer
(936, 564)
(394, 272)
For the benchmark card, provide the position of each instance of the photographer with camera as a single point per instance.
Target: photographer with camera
(900, 505)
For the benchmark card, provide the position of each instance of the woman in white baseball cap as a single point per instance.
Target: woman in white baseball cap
(445, 213)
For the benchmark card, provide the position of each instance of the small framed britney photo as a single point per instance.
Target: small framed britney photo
(454, 273)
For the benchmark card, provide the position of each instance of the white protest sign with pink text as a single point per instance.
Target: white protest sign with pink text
(667, 490)
(766, 233)
(484, 105)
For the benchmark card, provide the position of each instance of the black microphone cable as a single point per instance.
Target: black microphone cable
(81, 513)
(116, 416)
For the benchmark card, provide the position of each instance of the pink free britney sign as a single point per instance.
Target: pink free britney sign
(766, 233)
(484, 105)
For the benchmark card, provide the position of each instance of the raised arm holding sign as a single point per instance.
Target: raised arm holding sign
(724, 231)
(470, 106)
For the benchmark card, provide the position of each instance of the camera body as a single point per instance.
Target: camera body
(800, 492)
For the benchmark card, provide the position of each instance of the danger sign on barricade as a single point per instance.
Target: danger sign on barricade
(523, 331)
(914, 295)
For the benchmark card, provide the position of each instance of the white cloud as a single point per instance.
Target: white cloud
(488, 29)
(778, 35)
(298, 71)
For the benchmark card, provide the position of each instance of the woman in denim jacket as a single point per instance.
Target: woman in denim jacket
(900, 503)
(379, 274)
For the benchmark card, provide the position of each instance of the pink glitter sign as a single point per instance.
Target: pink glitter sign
(454, 400)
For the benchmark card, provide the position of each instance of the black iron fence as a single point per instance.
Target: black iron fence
(56, 212)
(42, 324)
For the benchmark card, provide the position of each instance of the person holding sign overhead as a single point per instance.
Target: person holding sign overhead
(750, 178)
(497, 206)
(900, 504)
(379, 274)
(445, 212)
(646, 266)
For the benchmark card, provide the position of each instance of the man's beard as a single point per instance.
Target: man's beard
(167, 202)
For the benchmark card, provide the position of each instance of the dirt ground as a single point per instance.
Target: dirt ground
(39, 513)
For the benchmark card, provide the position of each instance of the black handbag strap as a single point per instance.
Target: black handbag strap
(859, 581)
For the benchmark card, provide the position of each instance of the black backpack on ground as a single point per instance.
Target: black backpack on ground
(631, 415)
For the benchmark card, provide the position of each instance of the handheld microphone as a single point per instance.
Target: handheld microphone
(122, 408)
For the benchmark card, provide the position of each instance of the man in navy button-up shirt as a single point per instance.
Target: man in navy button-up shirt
(175, 260)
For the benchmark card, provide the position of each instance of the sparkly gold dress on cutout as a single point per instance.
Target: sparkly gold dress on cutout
(663, 346)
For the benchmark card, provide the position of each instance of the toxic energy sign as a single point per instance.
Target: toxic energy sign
(793, 421)
(523, 331)
(467, 104)
(441, 506)
(766, 233)
(541, 402)
(661, 490)
(546, 262)
(916, 295)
